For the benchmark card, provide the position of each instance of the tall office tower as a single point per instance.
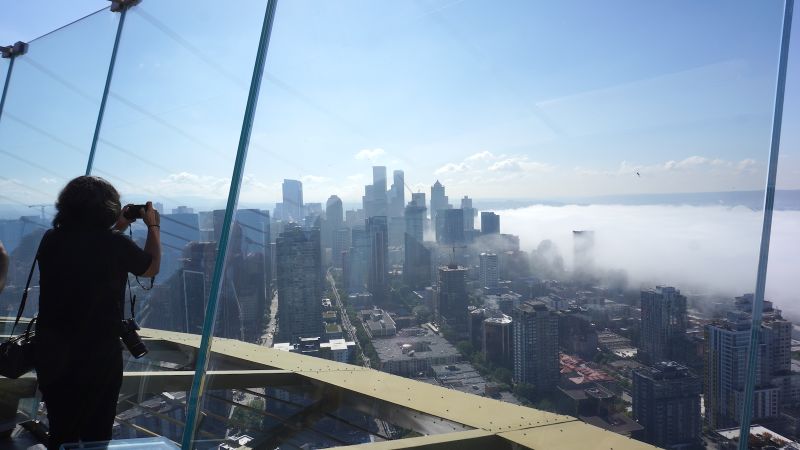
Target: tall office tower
(356, 262)
(252, 283)
(469, 213)
(334, 219)
(452, 232)
(666, 402)
(378, 275)
(375, 198)
(536, 346)
(452, 299)
(417, 258)
(583, 254)
(292, 201)
(299, 284)
(497, 342)
(490, 223)
(663, 324)
(415, 220)
(418, 198)
(726, 347)
(439, 200)
(489, 271)
(397, 194)
(341, 242)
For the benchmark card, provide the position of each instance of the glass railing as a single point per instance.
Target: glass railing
(493, 200)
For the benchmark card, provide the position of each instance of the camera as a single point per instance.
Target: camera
(131, 338)
(133, 212)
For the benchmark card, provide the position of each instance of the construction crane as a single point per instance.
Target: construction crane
(41, 209)
(453, 254)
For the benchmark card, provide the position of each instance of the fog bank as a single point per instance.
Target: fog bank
(695, 248)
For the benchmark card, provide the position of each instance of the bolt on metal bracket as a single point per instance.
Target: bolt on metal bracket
(12, 51)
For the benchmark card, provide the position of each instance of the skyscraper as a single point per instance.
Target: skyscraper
(375, 196)
(439, 200)
(489, 271)
(397, 197)
(663, 324)
(356, 262)
(452, 299)
(490, 223)
(334, 219)
(417, 258)
(299, 278)
(341, 242)
(666, 402)
(378, 275)
(497, 342)
(583, 254)
(292, 201)
(469, 213)
(452, 232)
(536, 346)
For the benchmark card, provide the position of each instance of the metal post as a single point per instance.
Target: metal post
(766, 229)
(122, 8)
(11, 52)
(199, 381)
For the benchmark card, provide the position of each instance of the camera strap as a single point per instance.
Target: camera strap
(27, 289)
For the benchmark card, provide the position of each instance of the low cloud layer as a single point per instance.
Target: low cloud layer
(710, 249)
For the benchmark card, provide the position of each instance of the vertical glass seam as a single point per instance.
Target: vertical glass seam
(5, 84)
(766, 230)
(104, 99)
(209, 321)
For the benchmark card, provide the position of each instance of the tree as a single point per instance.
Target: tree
(466, 349)
(502, 375)
(525, 391)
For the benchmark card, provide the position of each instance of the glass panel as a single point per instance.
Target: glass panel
(45, 134)
(169, 136)
(623, 150)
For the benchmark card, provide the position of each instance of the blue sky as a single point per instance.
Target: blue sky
(528, 100)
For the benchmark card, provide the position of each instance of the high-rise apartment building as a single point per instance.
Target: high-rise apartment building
(583, 255)
(292, 201)
(535, 329)
(378, 276)
(299, 279)
(498, 343)
(417, 258)
(726, 350)
(489, 273)
(490, 223)
(666, 402)
(663, 324)
(452, 298)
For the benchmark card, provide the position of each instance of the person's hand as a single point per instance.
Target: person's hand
(122, 222)
(151, 217)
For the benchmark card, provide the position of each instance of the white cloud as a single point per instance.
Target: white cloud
(187, 183)
(370, 154)
(482, 156)
(314, 179)
(451, 168)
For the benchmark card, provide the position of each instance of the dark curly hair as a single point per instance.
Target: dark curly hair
(87, 202)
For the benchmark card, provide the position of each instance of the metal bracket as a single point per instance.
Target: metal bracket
(122, 5)
(12, 51)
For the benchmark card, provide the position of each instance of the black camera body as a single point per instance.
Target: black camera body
(130, 337)
(133, 212)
